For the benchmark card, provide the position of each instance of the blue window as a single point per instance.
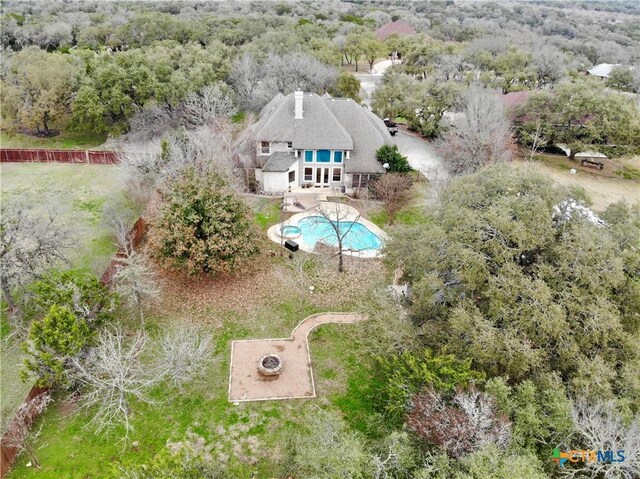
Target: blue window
(337, 156)
(308, 156)
(323, 156)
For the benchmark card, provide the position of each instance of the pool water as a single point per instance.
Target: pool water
(290, 231)
(357, 237)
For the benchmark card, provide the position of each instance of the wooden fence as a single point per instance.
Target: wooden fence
(58, 156)
(8, 454)
(136, 234)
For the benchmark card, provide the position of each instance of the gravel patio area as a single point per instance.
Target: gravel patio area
(296, 378)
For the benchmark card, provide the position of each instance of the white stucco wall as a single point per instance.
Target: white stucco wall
(278, 181)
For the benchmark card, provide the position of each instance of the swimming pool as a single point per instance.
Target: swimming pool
(357, 237)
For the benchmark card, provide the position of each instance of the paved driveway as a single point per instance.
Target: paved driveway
(422, 156)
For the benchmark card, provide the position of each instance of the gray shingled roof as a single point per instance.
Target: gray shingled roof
(331, 123)
(367, 132)
(319, 128)
(279, 161)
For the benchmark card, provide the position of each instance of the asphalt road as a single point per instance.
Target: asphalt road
(422, 156)
(420, 153)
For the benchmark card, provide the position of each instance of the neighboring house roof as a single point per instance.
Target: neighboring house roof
(394, 28)
(279, 161)
(603, 70)
(515, 99)
(326, 123)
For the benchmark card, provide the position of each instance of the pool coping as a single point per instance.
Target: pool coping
(351, 214)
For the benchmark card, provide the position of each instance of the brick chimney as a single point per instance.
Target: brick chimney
(298, 96)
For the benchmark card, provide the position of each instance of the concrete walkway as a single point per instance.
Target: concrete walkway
(296, 379)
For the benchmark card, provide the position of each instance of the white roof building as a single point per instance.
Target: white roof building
(603, 70)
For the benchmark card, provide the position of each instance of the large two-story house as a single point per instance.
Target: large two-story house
(307, 140)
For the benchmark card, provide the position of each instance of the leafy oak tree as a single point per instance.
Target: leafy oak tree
(346, 86)
(203, 226)
(584, 115)
(38, 89)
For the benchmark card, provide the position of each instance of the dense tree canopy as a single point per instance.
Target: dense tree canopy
(584, 115)
(504, 275)
(53, 342)
(38, 88)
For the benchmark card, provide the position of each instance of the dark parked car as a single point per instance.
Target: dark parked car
(391, 126)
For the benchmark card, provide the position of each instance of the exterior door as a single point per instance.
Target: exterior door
(322, 176)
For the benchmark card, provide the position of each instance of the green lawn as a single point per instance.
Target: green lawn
(267, 212)
(411, 214)
(266, 300)
(76, 193)
(12, 389)
(249, 437)
(63, 141)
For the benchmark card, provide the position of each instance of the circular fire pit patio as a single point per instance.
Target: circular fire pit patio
(270, 365)
(250, 357)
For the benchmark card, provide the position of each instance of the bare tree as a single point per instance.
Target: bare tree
(111, 374)
(20, 433)
(538, 138)
(550, 63)
(452, 67)
(207, 149)
(396, 459)
(184, 354)
(29, 243)
(603, 429)
(394, 190)
(153, 166)
(335, 227)
(467, 425)
(119, 218)
(141, 164)
(286, 73)
(245, 76)
(480, 135)
(135, 281)
(152, 121)
(208, 107)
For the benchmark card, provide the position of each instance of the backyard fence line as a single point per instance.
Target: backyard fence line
(92, 157)
(8, 454)
(136, 234)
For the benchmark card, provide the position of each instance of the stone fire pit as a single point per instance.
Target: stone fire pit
(270, 365)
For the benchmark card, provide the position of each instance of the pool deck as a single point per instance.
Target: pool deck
(337, 212)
